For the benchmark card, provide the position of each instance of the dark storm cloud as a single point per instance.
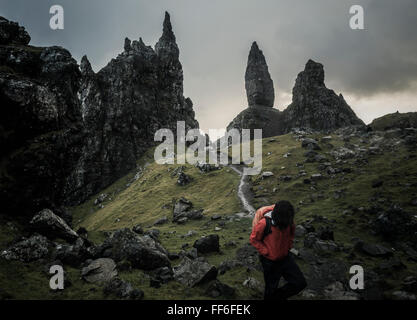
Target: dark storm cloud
(215, 36)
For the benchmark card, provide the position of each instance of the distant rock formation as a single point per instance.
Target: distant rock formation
(313, 105)
(260, 93)
(316, 107)
(67, 132)
(258, 83)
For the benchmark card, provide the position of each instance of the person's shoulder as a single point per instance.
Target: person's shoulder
(264, 209)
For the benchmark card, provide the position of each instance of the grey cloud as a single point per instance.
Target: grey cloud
(215, 36)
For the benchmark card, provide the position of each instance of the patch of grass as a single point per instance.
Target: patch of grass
(153, 194)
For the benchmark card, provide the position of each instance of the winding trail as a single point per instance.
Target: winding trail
(244, 193)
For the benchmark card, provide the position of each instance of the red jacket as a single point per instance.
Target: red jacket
(275, 245)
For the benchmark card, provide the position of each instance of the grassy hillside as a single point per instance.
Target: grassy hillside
(395, 120)
(342, 202)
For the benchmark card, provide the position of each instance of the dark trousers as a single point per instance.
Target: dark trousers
(274, 270)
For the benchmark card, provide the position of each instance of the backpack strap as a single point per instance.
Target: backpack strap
(268, 226)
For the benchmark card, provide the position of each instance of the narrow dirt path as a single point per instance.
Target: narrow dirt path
(244, 192)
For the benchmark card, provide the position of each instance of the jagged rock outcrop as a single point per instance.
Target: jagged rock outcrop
(11, 32)
(313, 106)
(40, 122)
(260, 93)
(258, 83)
(316, 107)
(123, 105)
(67, 132)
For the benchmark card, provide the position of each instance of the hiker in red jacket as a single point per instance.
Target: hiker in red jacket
(273, 236)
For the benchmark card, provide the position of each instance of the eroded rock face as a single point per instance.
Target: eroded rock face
(316, 107)
(125, 103)
(67, 132)
(258, 83)
(40, 125)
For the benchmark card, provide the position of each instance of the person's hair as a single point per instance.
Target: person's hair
(283, 214)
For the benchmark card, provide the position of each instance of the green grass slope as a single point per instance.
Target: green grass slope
(342, 199)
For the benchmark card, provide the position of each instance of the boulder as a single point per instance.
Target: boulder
(50, 225)
(75, 253)
(207, 244)
(142, 252)
(218, 289)
(193, 272)
(310, 144)
(374, 250)
(34, 248)
(267, 174)
(183, 209)
(336, 291)
(101, 270)
(183, 179)
(229, 265)
(122, 289)
(253, 284)
(160, 221)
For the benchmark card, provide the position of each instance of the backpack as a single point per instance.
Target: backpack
(268, 227)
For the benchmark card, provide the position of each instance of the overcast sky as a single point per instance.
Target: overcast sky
(375, 69)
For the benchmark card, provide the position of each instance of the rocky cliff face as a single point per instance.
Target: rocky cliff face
(67, 132)
(314, 106)
(123, 105)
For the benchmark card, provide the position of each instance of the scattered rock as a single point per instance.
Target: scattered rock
(267, 174)
(160, 221)
(183, 209)
(50, 225)
(183, 179)
(122, 289)
(142, 252)
(402, 295)
(374, 250)
(138, 229)
(75, 253)
(310, 144)
(193, 272)
(218, 289)
(253, 284)
(228, 265)
(336, 291)
(34, 248)
(99, 271)
(207, 244)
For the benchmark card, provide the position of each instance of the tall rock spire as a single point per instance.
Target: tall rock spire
(167, 48)
(258, 83)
